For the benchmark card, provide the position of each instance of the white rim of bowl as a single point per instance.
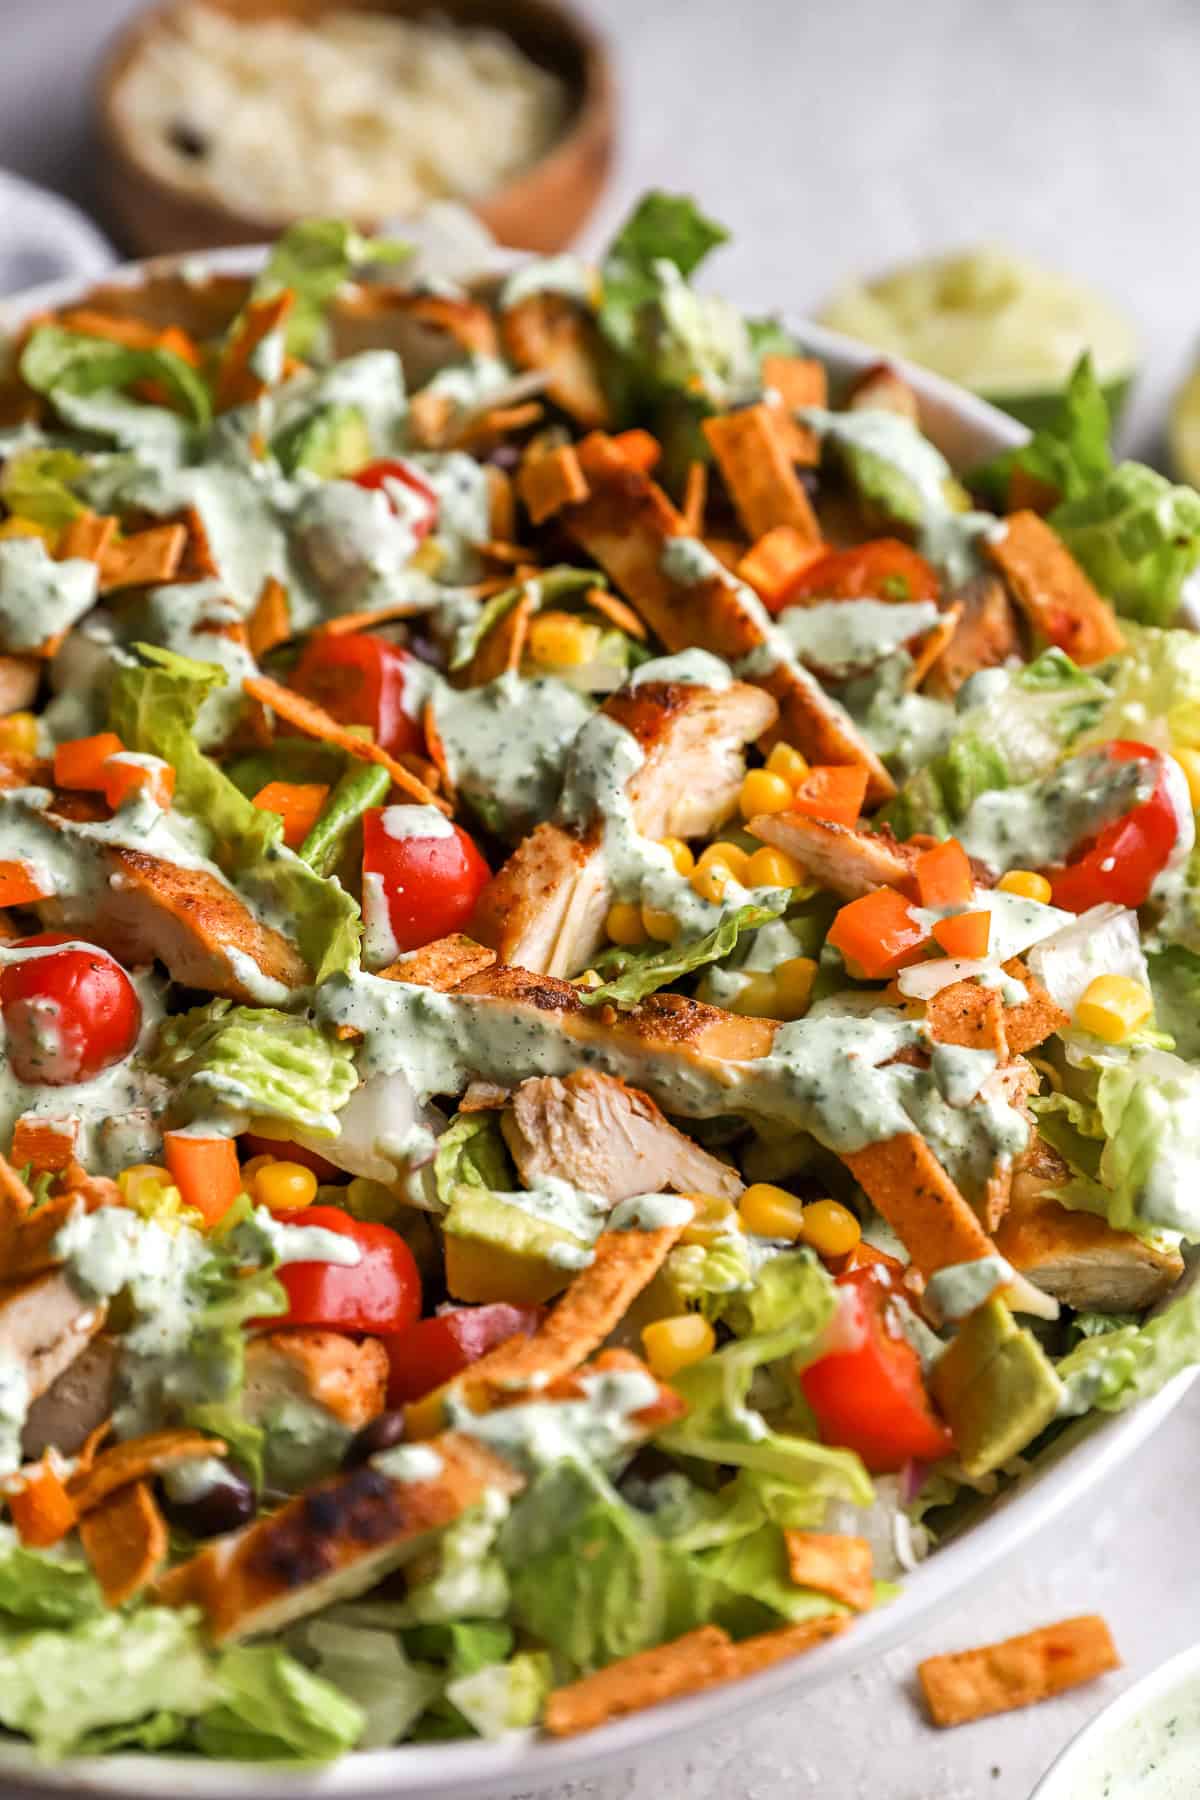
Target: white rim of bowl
(1183, 1665)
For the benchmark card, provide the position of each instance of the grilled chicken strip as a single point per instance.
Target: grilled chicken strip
(545, 909)
(345, 1378)
(72, 1406)
(45, 1325)
(608, 1139)
(843, 858)
(986, 635)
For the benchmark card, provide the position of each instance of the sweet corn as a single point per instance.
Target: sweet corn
(1189, 762)
(710, 880)
(793, 986)
(830, 1228)
(429, 557)
(736, 860)
(675, 1344)
(757, 995)
(712, 1218)
(558, 640)
(140, 1176)
(1113, 1006)
(763, 791)
(1026, 884)
(786, 761)
(623, 923)
(18, 734)
(680, 854)
(285, 1187)
(252, 1169)
(663, 926)
(772, 1212)
(773, 868)
(29, 528)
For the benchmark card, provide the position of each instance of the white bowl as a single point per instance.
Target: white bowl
(1113, 1755)
(966, 429)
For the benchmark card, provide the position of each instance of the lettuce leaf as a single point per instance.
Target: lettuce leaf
(153, 705)
(471, 1152)
(35, 484)
(662, 228)
(637, 973)
(1113, 1370)
(506, 1696)
(62, 364)
(45, 1587)
(1138, 538)
(230, 1061)
(1070, 453)
(272, 1707)
(1153, 690)
(752, 1573)
(314, 258)
(369, 1667)
(1175, 981)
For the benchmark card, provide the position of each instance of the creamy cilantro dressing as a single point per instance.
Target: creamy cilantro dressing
(694, 668)
(402, 822)
(565, 274)
(15, 1400)
(379, 946)
(353, 543)
(650, 1212)
(471, 384)
(464, 509)
(600, 1426)
(372, 382)
(1039, 824)
(266, 360)
(839, 636)
(194, 1479)
(304, 1243)
(953, 1292)
(1016, 924)
(408, 1462)
(907, 729)
(505, 744)
(960, 1072)
(40, 597)
(198, 620)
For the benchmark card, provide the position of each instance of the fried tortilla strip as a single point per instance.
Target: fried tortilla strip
(754, 454)
(695, 498)
(771, 1647)
(557, 336)
(88, 537)
(648, 1678)
(315, 722)
(798, 381)
(923, 1206)
(45, 1145)
(1031, 1021)
(270, 624)
(970, 1017)
(502, 648)
(936, 643)
(146, 558)
(549, 481)
(134, 1460)
(26, 1241)
(832, 1564)
(845, 858)
(125, 1541)
(1052, 590)
(662, 1410)
(1019, 1672)
(237, 382)
(331, 1543)
(442, 965)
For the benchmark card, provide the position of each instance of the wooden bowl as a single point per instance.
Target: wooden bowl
(539, 209)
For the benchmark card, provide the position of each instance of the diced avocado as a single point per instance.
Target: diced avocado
(331, 442)
(497, 1251)
(995, 1388)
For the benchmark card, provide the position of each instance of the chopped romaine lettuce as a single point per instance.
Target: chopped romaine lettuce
(1068, 454)
(66, 364)
(368, 1666)
(239, 1062)
(1113, 1370)
(271, 1707)
(36, 484)
(471, 1152)
(637, 973)
(313, 259)
(45, 1587)
(1138, 537)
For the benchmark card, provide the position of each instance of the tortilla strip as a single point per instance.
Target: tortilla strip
(937, 641)
(441, 965)
(502, 648)
(695, 498)
(1031, 1021)
(237, 383)
(666, 1407)
(16, 1199)
(315, 722)
(87, 537)
(135, 1459)
(146, 558)
(969, 1016)
(923, 1206)
(625, 525)
(478, 429)
(973, 1684)
(832, 1564)
(616, 612)
(548, 482)
(698, 1660)
(45, 1144)
(554, 334)
(1052, 590)
(770, 1647)
(199, 563)
(270, 623)
(798, 381)
(125, 1541)
(754, 454)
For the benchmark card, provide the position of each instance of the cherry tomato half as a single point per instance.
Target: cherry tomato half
(67, 1015)
(362, 680)
(381, 1293)
(1122, 862)
(434, 1350)
(428, 885)
(421, 502)
(870, 1397)
(884, 569)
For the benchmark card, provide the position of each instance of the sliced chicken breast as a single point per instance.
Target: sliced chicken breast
(76, 1403)
(45, 1325)
(849, 861)
(348, 1379)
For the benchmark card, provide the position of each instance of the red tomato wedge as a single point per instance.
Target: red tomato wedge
(427, 885)
(870, 1396)
(421, 510)
(67, 1015)
(1122, 862)
(435, 1350)
(363, 680)
(884, 569)
(380, 1293)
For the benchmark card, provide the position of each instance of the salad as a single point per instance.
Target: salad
(599, 972)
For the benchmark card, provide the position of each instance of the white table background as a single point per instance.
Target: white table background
(834, 138)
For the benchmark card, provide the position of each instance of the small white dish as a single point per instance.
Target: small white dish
(1145, 1746)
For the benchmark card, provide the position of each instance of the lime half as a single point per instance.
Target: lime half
(993, 322)
(1183, 431)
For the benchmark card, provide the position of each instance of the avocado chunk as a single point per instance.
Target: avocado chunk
(331, 442)
(498, 1251)
(995, 1388)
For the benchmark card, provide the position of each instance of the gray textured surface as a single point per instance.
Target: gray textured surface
(833, 138)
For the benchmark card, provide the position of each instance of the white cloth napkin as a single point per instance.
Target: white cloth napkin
(43, 238)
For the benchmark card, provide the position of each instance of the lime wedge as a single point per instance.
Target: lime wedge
(1183, 431)
(993, 322)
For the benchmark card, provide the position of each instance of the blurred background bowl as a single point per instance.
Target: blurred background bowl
(540, 208)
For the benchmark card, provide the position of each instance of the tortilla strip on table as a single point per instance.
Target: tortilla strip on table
(125, 1541)
(833, 1564)
(1018, 1672)
(625, 525)
(753, 451)
(1052, 590)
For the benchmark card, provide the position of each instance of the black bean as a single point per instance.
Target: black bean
(223, 1507)
(810, 481)
(382, 1433)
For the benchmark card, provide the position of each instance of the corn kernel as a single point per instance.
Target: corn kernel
(623, 923)
(19, 734)
(1189, 762)
(772, 1212)
(429, 557)
(830, 1228)
(736, 860)
(1025, 884)
(757, 996)
(285, 1187)
(1113, 1006)
(135, 1180)
(763, 791)
(558, 640)
(786, 761)
(680, 854)
(29, 528)
(794, 985)
(773, 868)
(675, 1344)
(713, 1217)
(657, 923)
(711, 880)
